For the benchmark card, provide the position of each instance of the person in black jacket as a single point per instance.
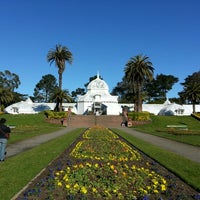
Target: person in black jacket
(4, 135)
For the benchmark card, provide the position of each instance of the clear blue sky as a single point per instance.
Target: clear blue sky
(102, 36)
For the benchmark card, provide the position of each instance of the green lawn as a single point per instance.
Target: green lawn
(158, 126)
(28, 125)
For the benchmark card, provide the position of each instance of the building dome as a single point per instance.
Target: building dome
(97, 84)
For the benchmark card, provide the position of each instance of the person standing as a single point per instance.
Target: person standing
(4, 136)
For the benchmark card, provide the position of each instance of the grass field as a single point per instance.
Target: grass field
(158, 127)
(27, 126)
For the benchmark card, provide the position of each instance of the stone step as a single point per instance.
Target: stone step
(91, 120)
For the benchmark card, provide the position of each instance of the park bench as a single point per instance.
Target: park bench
(183, 127)
(11, 126)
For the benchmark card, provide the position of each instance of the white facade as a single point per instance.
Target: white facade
(99, 101)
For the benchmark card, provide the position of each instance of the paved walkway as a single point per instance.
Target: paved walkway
(16, 148)
(187, 151)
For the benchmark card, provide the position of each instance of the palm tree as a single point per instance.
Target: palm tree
(191, 89)
(61, 95)
(191, 93)
(137, 70)
(59, 55)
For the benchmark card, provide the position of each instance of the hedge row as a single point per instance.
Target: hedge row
(56, 115)
(139, 116)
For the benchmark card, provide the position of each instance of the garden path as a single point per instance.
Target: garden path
(188, 151)
(16, 148)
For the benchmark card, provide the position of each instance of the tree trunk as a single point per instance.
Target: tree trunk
(193, 107)
(60, 106)
(57, 106)
(139, 99)
(60, 80)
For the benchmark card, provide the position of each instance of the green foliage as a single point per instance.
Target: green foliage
(45, 88)
(196, 115)
(59, 56)
(124, 92)
(78, 91)
(191, 89)
(56, 115)
(6, 96)
(138, 70)
(139, 116)
(159, 86)
(61, 96)
(8, 83)
(9, 80)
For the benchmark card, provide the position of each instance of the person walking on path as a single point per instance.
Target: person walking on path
(4, 136)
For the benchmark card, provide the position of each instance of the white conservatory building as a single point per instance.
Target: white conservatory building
(99, 101)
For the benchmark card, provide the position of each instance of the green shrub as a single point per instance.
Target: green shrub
(56, 115)
(139, 116)
(196, 115)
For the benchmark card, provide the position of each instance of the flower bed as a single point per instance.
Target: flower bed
(101, 165)
(175, 131)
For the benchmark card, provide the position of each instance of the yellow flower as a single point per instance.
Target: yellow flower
(155, 191)
(94, 190)
(164, 181)
(76, 185)
(155, 181)
(145, 192)
(96, 165)
(81, 165)
(88, 164)
(163, 187)
(148, 187)
(124, 173)
(133, 167)
(65, 178)
(83, 190)
(68, 168)
(126, 166)
(67, 186)
(112, 166)
(59, 184)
